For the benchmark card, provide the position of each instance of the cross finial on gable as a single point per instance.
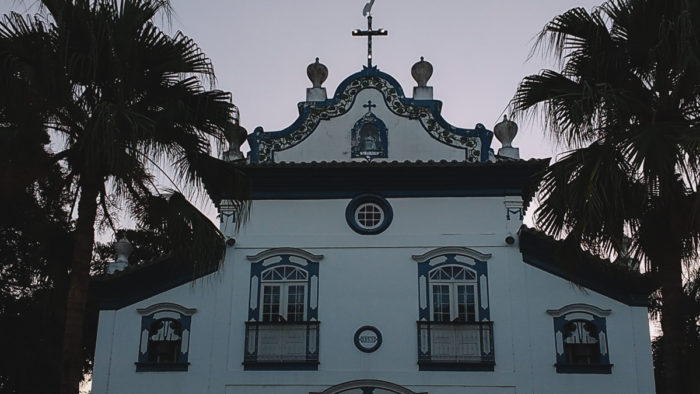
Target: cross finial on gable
(369, 106)
(369, 33)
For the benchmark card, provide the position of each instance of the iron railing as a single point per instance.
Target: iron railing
(455, 345)
(281, 344)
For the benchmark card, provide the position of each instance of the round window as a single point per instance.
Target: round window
(368, 214)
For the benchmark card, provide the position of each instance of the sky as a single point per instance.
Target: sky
(479, 51)
(260, 49)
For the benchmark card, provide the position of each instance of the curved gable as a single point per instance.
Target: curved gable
(412, 124)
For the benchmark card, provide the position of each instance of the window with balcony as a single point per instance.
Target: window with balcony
(165, 334)
(581, 339)
(282, 328)
(454, 327)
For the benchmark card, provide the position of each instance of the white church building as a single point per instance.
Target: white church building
(384, 252)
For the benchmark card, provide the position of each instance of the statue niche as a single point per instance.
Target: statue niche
(369, 138)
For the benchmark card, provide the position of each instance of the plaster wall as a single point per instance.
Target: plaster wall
(407, 139)
(372, 280)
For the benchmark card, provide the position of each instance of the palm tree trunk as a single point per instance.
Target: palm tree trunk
(672, 326)
(84, 238)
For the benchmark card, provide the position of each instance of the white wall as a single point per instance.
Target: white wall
(372, 280)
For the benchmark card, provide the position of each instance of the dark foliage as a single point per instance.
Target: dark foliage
(627, 101)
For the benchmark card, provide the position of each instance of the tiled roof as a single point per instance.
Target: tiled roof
(583, 268)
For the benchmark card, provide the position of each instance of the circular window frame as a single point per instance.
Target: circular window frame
(361, 200)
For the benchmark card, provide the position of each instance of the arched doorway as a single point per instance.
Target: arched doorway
(367, 386)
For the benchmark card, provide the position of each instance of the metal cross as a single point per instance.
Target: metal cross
(369, 33)
(369, 106)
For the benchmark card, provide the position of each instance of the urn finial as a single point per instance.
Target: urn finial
(505, 132)
(123, 249)
(317, 73)
(421, 72)
(236, 136)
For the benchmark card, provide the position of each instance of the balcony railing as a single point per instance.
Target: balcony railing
(455, 346)
(281, 345)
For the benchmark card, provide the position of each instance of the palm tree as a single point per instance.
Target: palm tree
(123, 99)
(627, 102)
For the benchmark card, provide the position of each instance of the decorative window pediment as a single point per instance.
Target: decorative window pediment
(282, 326)
(454, 327)
(581, 339)
(165, 335)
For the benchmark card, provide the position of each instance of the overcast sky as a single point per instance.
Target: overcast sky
(479, 51)
(261, 48)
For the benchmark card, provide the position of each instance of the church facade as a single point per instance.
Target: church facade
(384, 252)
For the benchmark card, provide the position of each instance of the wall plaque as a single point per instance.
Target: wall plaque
(368, 339)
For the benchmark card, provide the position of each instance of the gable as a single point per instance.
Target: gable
(369, 118)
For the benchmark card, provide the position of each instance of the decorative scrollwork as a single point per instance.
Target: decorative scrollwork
(313, 112)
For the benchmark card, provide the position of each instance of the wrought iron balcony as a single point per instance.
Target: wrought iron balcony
(459, 346)
(281, 345)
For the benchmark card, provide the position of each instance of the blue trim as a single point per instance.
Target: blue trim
(434, 106)
(366, 198)
(603, 366)
(143, 365)
(480, 267)
(257, 269)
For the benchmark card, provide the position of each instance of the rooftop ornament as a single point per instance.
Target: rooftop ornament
(123, 249)
(317, 73)
(236, 136)
(421, 72)
(505, 132)
(369, 33)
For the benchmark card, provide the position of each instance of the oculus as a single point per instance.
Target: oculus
(368, 214)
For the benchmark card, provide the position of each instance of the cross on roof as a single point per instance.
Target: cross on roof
(369, 106)
(369, 33)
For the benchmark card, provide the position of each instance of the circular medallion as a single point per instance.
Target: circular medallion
(368, 339)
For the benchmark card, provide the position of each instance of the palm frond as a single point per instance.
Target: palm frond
(192, 237)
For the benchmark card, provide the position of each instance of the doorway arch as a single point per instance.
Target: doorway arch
(367, 386)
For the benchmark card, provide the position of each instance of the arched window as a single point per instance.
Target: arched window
(282, 327)
(581, 339)
(453, 294)
(284, 293)
(454, 327)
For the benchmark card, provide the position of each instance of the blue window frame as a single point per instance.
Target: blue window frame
(165, 337)
(581, 339)
(454, 327)
(282, 327)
